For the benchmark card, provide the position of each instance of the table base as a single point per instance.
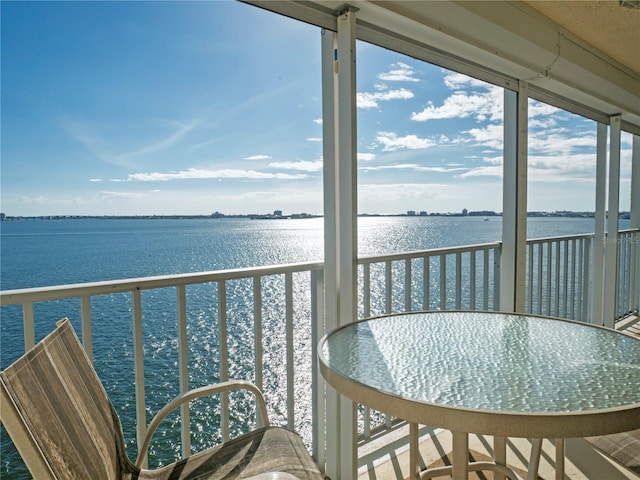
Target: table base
(460, 467)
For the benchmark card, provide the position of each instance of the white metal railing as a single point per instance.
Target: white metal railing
(460, 278)
(628, 279)
(295, 283)
(291, 297)
(560, 275)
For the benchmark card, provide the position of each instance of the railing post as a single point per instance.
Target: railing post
(288, 287)
(318, 411)
(183, 367)
(224, 356)
(85, 313)
(28, 323)
(138, 362)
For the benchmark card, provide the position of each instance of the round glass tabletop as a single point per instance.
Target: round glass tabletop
(488, 361)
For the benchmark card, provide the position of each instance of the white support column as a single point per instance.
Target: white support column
(514, 201)
(348, 217)
(599, 237)
(611, 244)
(329, 133)
(340, 195)
(635, 216)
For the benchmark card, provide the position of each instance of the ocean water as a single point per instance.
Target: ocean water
(38, 253)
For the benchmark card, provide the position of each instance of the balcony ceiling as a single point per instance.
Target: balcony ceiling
(605, 24)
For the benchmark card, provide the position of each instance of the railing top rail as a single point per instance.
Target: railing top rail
(39, 294)
(433, 252)
(560, 238)
(576, 237)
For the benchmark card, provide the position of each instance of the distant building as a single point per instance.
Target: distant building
(464, 212)
(277, 213)
(423, 213)
(2, 217)
(411, 213)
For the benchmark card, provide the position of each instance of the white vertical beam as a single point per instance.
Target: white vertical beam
(347, 223)
(601, 214)
(635, 217)
(635, 183)
(340, 202)
(521, 197)
(329, 140)
(514, 201)
(611, 245)
(510, 149)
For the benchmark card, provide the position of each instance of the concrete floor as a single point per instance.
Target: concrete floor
(581, 461)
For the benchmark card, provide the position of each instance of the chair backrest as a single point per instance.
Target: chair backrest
(58, 414)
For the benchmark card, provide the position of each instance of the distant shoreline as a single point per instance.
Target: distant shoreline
(296, 216)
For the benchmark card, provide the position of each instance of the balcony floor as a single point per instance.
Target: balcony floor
(581, 461)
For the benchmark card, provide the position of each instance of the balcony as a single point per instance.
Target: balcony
(263, 324)
(268, 329)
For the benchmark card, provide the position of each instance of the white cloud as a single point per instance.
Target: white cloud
(538, 108)
(318, 121)
(303, 165)
(194, 173)
(107, 195)
(415, 167)
(391, 141)
(561, 142)
(489, 136)
(485, 171)
(314, 139)
(258, 157)
(366, 157)
(95, 180)
(370, 100)
(455, 81)
(482, 106)
(400, 72)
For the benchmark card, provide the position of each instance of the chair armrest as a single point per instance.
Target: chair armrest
(263, 417)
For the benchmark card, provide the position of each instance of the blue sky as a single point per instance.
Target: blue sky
(138, 108)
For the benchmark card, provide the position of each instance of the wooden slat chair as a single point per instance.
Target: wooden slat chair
(62, 423)
(623, 447)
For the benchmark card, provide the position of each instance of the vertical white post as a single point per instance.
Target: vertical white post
(611, 244)
(509, 168)
(329, 139)
(635, 219)
(514, 201)
(340, 195)
(87, 337)
(138, 365)
(347, 207)
(601, 214)
(318, 394)
(183, 367)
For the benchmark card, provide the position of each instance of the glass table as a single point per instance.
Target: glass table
(500, 374)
